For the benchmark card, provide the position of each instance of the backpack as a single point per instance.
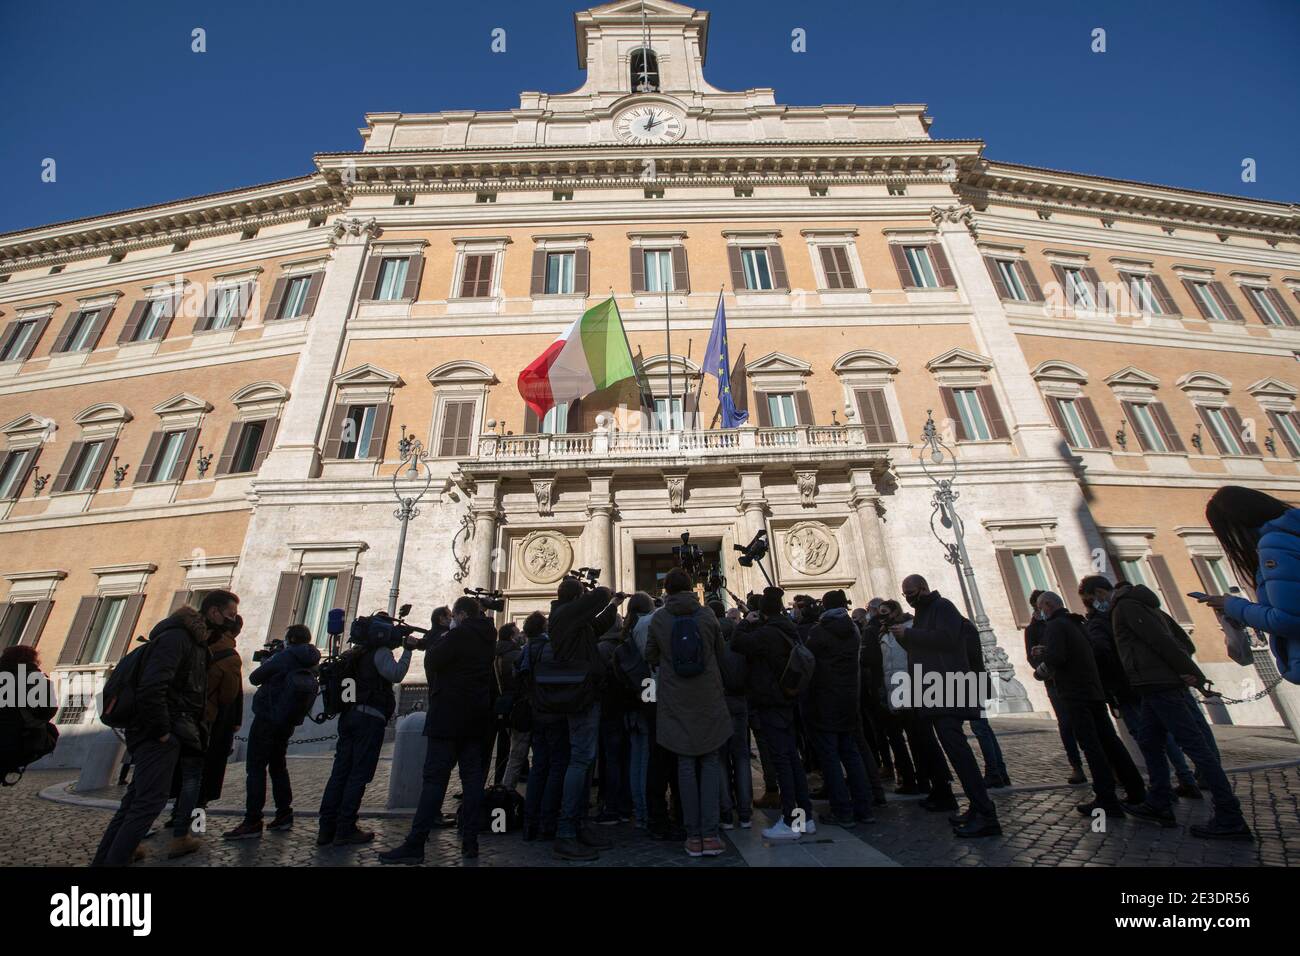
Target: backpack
(687, 646)
(335, 675)
(630, 669)
(798, 673)
(497, 798)
(297, 693)
(117, 701)
(35, 739)
(559, 687)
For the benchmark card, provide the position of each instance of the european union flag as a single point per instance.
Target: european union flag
(717, 362)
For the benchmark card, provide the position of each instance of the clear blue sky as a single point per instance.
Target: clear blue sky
(111, 90)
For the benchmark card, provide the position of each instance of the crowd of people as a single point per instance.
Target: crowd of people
(661, 704)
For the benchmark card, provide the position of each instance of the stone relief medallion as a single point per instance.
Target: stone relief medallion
(545, 556)
(811, 547)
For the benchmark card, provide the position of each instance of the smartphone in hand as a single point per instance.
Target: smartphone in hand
(1199, 596)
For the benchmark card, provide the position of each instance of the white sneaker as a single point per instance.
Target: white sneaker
(780, 831)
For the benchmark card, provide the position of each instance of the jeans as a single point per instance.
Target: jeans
(737, 771)
(778, 728)
(361, 736)
(1170, 712)
(519, 742)
(765, 762)
(699, 779)
(638, 731)
(931, 767)
(441, 755)
(584, 731)
(892, 727)
(952, 738)
(1108, 758)
(1068, 740)
(550, 742)
(1131, 713)
(187, 799)
(833, 750)
(990, 749)
(267, 746)
(153, 764)
(615, 786)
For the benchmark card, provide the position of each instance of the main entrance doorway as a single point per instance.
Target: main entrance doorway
(654, 559)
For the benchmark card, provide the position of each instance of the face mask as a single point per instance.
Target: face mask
(917, 600)
(1101, 606)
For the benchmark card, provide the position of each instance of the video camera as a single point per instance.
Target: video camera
(269, 650)
(690, 557)
(383, 630)
(756, 550)
(587, 577)
(490, 600)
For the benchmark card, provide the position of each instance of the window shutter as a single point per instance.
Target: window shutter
(1133, 427)
(414, 270)
(65, 469)
(762, 410)
(1169, 590)
(457, 428)
(208, 313)
(313, 294)
(993, 412)
(144, 474)
(737, 269)
(531, 422)
(1166, 426)
(1065, 578)
(227, 459)
(899, 255)
(187, 452)
(1281, 433)
(950, 406)
(1067, 293)
(941, 270)
(1167, 304)
(776, 258)
(1088, 412)
(1225, 300)
(803, 404)
(691, 409)
(133, 320)
(995, 274)
(102, 465)
(581, 271)
(1278, 303)
(539, 273)
(170, 307)
(283, 611)
(1015, 594)
(1058, 418)
(246, 292)
(334, 433)
(125, 628)
(75, 642)
(638, 269)
(65, 334)
(1190, 286)
(1202, 567)
(681, 271)
(1098, 290)
(1029, 280)
(379, 434)
(370, 276)
(31, 635)
(873, 412)
(267, 443)
(21, 482)
(572, 421)
(272, 311)
(486, 263)
(1209, 428)
(829, 267)
(179, 600)
(39, 328)
(343, 585)
(1240, 428)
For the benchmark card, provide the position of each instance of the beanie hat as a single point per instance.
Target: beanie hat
(771, 604)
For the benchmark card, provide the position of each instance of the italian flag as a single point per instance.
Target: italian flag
(593, 354)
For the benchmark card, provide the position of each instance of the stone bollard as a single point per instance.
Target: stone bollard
(407, 773)
(104, 752)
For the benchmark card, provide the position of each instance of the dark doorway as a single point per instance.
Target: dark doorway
(654, 559)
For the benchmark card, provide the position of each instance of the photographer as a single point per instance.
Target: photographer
(361, 734)
(277, 712)
(458, 664)
(577, 616)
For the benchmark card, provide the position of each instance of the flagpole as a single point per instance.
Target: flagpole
(636, 371)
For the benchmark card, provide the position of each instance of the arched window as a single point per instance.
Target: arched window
(645, 71)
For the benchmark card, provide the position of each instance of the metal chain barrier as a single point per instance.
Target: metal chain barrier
(1213, 696)
(305, 740)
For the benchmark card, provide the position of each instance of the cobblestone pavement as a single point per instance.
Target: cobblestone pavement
(1041, 827)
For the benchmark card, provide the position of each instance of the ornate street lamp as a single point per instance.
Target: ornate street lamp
(413, 457)
(939, 463)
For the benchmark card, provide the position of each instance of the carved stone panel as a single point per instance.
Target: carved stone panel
(811, 548)
(544, 556)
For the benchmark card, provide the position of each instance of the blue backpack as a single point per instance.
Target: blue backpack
(688, 647)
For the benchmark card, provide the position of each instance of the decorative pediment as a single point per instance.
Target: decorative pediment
(1054, 370)
(369, 376)
(959, 360)
(1204, 382)
(1132, 377)
(778, 362)
(103, 413)
(864, 360)
(182, 404)
(260, 393)
(29, 424)
(659, 365)
(1273, 388)
(462, 372)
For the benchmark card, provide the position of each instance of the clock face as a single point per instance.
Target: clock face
(649, 125)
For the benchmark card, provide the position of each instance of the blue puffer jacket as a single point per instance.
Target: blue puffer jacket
(270, 676)
(1277, 585)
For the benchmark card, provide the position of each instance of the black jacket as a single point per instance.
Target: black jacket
(1153, 658)
(574, 625)
(506, 654)
(833, 696)
(1068, 652)
(1114, 682)
(1035, 634)
(936, 642)
(458, 665)
(173, 684)
(871, 665)
(766, 645)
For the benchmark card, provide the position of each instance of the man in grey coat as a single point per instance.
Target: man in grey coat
(685, 645)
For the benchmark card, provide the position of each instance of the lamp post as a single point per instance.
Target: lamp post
(939, 463)
(413, 457)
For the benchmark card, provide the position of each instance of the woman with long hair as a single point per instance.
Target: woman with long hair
(1261, 538)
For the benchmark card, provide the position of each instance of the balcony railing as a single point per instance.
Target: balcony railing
(604, 443)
